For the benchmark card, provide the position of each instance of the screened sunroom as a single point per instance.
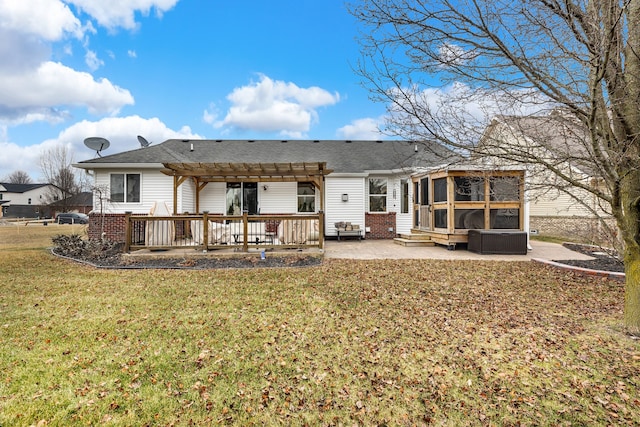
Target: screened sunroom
(450, 202)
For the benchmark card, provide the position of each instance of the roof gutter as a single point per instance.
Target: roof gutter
(93, 166)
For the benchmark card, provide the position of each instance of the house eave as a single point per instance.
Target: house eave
(348, 175)
(403, 171)
(95, 166)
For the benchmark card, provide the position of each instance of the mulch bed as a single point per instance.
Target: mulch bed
(110, 256)
(603, 260)
(224, 262)
(118, 261)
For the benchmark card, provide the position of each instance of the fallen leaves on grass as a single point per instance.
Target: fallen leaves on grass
(346, 342)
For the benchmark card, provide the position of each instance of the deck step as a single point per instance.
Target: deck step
(413, 242)
(415, 236)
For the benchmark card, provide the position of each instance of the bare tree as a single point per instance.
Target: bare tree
(445, 68)
(55, 164)
(18, 177)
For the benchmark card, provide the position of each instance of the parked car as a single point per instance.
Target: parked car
(72, 218)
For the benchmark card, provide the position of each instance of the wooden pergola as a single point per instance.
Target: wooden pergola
(203, 173)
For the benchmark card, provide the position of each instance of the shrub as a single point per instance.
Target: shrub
(75, 246)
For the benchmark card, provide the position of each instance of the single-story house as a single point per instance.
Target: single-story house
(25, 200)
(365, 187)
(80, 203)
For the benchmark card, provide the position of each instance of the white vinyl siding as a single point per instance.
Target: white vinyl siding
(213, 198)
(154, 187)
(554, 203)
(37, 196)
(351, 211)
(278, 198)
(188, 197)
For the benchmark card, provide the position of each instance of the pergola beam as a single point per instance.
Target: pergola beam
(203, 173)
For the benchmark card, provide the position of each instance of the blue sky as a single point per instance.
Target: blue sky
(175, 68)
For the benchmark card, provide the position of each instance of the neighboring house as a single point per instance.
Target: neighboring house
(365, 183)
(80, 203)
(26, 200)
(556, 207)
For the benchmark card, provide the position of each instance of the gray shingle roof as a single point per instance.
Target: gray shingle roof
(340, 156)
(560, 134)
(20, 188)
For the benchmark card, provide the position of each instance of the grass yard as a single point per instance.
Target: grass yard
(413, 342)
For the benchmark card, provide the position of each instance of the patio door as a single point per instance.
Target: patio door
(242, 196)
(250, 197)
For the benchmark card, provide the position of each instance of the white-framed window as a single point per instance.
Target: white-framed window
(377, 194)
(306, 197)
(125, 188)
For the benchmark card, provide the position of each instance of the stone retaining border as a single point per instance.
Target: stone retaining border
(584, 271)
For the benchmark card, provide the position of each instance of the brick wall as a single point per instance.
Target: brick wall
(379, 224)
(114, 227)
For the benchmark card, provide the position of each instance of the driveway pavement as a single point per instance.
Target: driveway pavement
(386, 249)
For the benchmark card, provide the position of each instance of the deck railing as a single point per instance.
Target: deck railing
(239, 232)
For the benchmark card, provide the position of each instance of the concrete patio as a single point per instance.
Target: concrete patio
(380, 249)
(387, 249)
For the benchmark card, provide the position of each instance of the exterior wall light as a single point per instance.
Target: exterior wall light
(345, 197)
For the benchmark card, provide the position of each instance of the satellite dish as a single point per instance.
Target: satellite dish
(143, 141)
(97, 143)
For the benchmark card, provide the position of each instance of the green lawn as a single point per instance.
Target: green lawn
(349, 342)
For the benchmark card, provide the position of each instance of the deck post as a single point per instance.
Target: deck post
(205, 230)
(175, 194)
(127, 231)
(245, 229)
(320, 229)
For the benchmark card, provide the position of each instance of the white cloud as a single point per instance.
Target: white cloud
(366, 128)
(54, 84)
(274, 106)
(451, 54)
(32, 87)
(210, 116)
(121, 13)
(121, 133)
(477, 105)
(49, 20)
(92, 60)
(132, 54)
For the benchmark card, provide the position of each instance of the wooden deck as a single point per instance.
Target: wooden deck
(238, 233)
